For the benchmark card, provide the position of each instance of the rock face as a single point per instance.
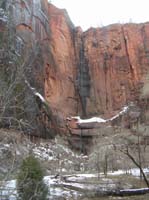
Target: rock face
(117, 60)
(97, 71)
(24, 36)
(92, 73)
(61, 68)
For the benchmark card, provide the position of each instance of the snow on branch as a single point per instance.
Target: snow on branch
(40, 97)
(35, 92)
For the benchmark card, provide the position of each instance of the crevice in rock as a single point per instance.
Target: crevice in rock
(127, 53)
(145, 43)
(83, 77)
(106, 57)
(25, 26)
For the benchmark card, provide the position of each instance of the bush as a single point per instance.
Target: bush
(30, 185)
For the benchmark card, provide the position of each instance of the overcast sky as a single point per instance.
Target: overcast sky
(87, 13)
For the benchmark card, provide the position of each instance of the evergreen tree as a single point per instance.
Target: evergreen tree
(30, 185)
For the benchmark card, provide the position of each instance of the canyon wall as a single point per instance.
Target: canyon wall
(97, 71)
(91, 73)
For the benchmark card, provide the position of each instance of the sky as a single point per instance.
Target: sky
(97, 13)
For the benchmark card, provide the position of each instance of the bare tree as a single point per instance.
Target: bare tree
(132, 146)
(102, 151)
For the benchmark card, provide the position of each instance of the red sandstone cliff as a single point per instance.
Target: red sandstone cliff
(98, 71)
(61, 69)
(91, 73)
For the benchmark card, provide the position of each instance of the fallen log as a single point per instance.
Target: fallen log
(99, 192)
(129, 192)
(125, 192)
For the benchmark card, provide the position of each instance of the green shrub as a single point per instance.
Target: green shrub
(30, 185)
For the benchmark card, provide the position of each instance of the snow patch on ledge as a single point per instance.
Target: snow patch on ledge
(93, 119)
(98, 119)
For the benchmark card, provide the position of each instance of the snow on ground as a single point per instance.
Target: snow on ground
(56, 151)
(54, 154)
(80, 177)
(43, 153)
(59, 158)
(58, 187)
(118, 172)
(98, 119)
(136, 172)
(8, 189)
